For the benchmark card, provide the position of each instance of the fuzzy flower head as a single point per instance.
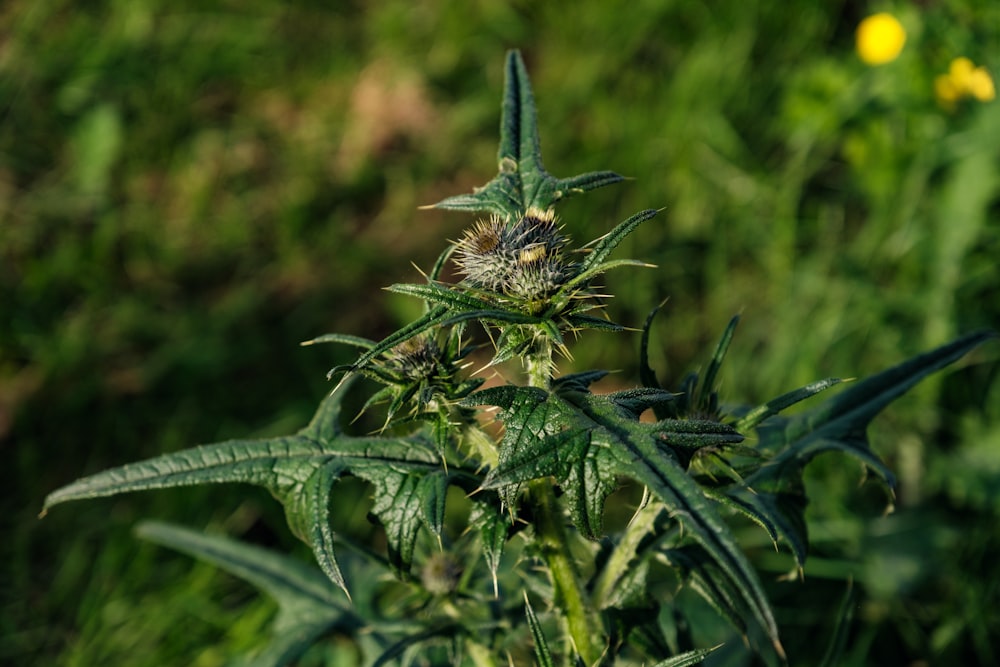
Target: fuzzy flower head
(414, 359)
(523, 259)
(880, 39)
(963, 80)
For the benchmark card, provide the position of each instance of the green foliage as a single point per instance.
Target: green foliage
(563, 451)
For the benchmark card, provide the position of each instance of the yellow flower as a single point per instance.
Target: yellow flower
(880, 39)
(963, 80)
(981, 85)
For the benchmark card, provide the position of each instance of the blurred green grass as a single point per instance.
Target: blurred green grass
(189, 189)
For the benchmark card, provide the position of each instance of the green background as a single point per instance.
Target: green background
(190, 189)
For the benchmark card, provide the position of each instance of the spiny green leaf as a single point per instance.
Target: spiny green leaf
(848, 414)
(705, 577)
(491, 316)
(585, 276)
(774, 406)
(288, 580)
(641, 457)
(588, 441)
(527, 422)
(640, 399)
(493, 525)
(299, 470)
(775, 492)
(577, 381)
(522, 181)
(405, 500)
(428, 321)
(453, 299)
(781, 515)
(610, 241)
(632, 551)
(580, 321)
(840, 423)
(309, 516)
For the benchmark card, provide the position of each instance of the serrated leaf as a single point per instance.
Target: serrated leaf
(781, 515)
(403, 503)
(590, 441)
(775, 492)
(848, 414)
(534, 446)
(451, 298)
(522, 181)
(491, 317)
(642, 458)
(309, 606)
(640, 399)
(578, 321)
(298, 470)
(493, 525)
(577, 381)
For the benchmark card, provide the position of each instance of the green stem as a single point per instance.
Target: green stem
(538, 362)
(583, 623)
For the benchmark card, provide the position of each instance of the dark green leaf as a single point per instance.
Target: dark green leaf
(542, 653)
(640, 399)
(298, 470)
(588, 441)
(451, 298)
(580, 321)
(706, 402)
(847, 415)
(646, 374)
(577, 381)
(610, 241)
(775, 492)
(345, 339)
(403, 502)
(586, 275)
(428, 321)
(774, 406)
(493, 525)
(522, 181)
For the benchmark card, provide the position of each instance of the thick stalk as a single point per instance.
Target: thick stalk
(583, 624)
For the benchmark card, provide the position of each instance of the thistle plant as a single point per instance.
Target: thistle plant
(494, 533)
